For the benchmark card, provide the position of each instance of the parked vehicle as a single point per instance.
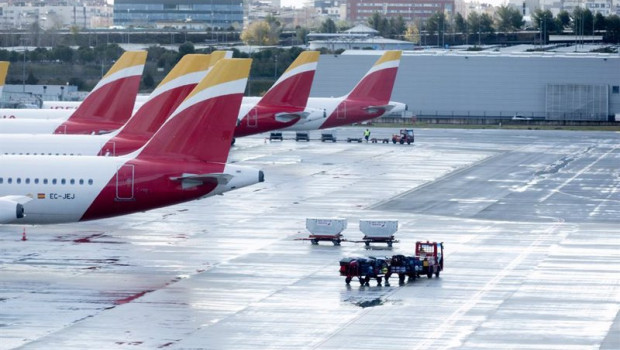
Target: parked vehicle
(405, 135)
(431, 255)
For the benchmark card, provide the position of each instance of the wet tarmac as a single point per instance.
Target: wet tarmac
(530, 222)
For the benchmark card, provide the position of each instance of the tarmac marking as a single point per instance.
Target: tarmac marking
(557, 189)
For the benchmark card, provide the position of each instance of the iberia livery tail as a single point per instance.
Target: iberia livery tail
(283, 105)
(370, 98)
(293, 87)
(201, 128)
(377, 84)
(110, 104)
(166, 97)
(4, 69)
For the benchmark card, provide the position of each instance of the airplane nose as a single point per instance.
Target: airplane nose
(261, 176)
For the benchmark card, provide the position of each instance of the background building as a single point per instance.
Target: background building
(55, 15)
(190, 14)
(550, 86)
(410, 10)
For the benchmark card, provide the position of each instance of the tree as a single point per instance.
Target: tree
(186, 48)
(473, 22)
(599, 21)
(612, 28)
(563, 20)
(301, 33)
(436, 23)
(147, 81)
(544, 22)
(412, 33)
(506, 19)
(328, 26)
(582, 21)
(259, 33)
(460, 24)
(486, 24)
(31, 80)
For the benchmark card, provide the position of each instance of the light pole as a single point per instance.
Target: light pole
(275, 72)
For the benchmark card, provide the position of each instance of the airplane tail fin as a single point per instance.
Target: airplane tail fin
(202, 127)
(292, 89)
(376, 86)
(4, 69)
(110, 104)
(167, 96)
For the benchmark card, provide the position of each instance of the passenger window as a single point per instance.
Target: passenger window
(18, 180)
(36, 181)
(63, 181)
(45, 181)
(90, 181)
(72, 181)
(27, 180)
(1, 180)
(81, 181)
(9, 180)
(54, 181)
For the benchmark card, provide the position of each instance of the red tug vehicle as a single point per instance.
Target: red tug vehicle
(431, 255)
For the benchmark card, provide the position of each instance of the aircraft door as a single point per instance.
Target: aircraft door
(109, 149)
(253, 118)
(341, 111)
(124, 182)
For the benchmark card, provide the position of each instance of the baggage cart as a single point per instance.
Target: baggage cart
(378, 231)
(325, 230)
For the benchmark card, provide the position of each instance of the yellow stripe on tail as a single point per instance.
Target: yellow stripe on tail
(128, 59)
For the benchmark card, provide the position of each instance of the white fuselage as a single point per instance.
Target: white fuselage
(63, 188)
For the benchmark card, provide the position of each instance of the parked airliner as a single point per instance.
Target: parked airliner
(369, 99)
(185, 160)
(106, 108)
(172, 90)
(286, 99)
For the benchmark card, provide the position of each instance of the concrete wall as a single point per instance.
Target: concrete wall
(474, 85)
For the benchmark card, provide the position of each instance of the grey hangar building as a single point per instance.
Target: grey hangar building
(493, 85)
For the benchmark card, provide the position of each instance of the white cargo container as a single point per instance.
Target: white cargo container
(326, 229)
(379, 231)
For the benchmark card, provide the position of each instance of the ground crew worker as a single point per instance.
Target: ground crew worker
(366, 134)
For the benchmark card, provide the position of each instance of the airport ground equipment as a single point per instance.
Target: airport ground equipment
(302, 136)
(405, 135)
(376, 140)
(325, 230)
(403, 266)
(275, 136)
(431, 256)
(364, 269)
(328, 137)
(379, 231)
(354, 139)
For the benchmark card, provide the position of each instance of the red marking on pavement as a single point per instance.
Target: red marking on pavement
(131, 298)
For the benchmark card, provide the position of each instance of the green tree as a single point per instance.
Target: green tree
(62, 53)
(328, 26)
(31, 80)
(301, 34)
(612, 29)
(582, 21)
(486, 24)
(599, 21)
(460, 24)
(562, 20)
(186, 48)
(544, 22)
(436, 23)
(85, 54)
(147, 81)
(473, 22)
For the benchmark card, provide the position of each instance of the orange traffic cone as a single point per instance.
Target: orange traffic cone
(24, 235)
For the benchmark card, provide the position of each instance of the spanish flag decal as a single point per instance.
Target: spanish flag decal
(40, 195)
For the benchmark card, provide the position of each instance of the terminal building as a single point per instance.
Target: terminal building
(183, 14)
(445, 84)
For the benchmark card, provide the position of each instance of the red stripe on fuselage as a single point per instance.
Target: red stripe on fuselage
(105, 110)
(152, 188)
(264, 120)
